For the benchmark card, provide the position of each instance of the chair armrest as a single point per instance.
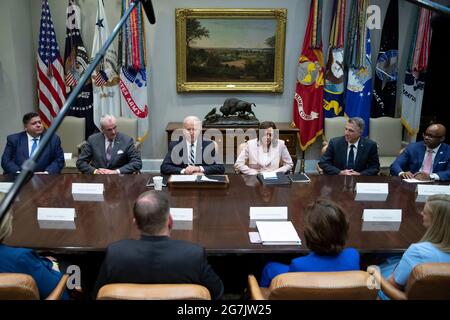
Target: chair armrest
(79, 146)
(253, 287)
(59, 289)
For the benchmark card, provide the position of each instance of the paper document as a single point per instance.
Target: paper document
(254, 237)
(205, 178)
(270, 175)
(183, 178)
(413, 180)
(278, 233)
(67, 156)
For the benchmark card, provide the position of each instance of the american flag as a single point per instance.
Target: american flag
(50, 69)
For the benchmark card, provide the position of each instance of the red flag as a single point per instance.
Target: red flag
(50, 70)
(308, 99)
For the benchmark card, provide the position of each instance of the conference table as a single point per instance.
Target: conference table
(220, 216)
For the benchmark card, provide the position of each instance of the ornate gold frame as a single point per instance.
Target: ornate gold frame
(184, 86)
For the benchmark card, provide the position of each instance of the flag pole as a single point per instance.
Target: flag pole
(302, 162)
(28, 166)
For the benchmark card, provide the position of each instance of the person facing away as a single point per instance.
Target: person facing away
(351, 154)
(425, 160)
(109, 151)
(265, 155)
(155, 258)
(326, 230)
(191, 154)
(433, 247)
(21, 146)
(44, 270)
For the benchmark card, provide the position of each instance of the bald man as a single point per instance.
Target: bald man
(425, 160)
(190, 154)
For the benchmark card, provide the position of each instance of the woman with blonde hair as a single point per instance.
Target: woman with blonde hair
(433, 247)
(21, 260)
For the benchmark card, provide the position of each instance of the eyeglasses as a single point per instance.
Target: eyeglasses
(426, 135)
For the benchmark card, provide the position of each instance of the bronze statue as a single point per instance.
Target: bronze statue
(235, 112)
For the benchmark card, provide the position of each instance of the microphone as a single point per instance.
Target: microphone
(148, 8)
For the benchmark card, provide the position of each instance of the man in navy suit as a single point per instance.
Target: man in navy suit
(155, 258)
(425, 160)
(191, 154)
(351, 154)
(20, 146)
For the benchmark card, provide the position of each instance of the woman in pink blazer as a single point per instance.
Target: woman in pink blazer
(266, 155)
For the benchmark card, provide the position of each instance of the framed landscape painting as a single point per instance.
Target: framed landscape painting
(230, 49)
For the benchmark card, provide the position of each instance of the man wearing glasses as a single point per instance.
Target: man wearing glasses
(109, 152)
(425, 160)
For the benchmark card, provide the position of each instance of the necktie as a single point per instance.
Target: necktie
(191, 155)
(428, 162)
(34, 146)
(109, 152)
(351, 158)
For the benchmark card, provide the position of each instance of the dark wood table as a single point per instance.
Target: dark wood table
(221, 216)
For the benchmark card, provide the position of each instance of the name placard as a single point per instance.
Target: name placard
(87, 191)
(383, 215)
(426, 190)
(371, 191)
(182, 214)
(56, 218)
(67, 156)
(5, 186)
(268, 213)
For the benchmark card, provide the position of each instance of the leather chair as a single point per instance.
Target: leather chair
(426, 281)
(129, 127)
(333, 127)
(352, 285)
(19, 286)
(130, 291)
(71, 131)
(387, 133)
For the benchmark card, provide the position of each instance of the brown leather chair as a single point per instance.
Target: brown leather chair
(426, 281)
(354, 285)
(131, 291)
(19, 286)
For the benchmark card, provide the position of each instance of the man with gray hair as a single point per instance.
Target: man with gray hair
(351, 154)
(109, 151)
(191, 154)
(155, 258)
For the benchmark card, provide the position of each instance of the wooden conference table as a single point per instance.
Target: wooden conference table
(221, 216)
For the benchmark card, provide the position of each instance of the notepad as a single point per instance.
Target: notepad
(278, 233)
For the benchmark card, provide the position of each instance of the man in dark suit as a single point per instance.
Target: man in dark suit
(191, 154)
(20, 146)
(155, 258)
(109, 152)
(425, 160)
(351, 154)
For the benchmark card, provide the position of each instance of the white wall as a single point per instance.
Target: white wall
(165, 103)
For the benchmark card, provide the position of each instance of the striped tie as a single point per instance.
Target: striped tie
(191, 155)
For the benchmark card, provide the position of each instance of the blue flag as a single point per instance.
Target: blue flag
(359, 87)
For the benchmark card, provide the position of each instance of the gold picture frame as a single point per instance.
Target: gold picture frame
(230, 49)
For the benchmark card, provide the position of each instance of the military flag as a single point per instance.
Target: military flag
(133, 74)
(308, 98)
(76, 61)
(333, 100)
(105, 77)
(413, 87)
(359, 84)
(385, 84)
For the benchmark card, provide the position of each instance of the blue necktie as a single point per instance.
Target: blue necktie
(351, 158)
(34, 146)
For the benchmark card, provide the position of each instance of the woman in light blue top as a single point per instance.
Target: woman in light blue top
(433, 247)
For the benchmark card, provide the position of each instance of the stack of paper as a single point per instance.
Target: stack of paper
(278, 233)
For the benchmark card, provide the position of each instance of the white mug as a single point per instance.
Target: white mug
(158, 182)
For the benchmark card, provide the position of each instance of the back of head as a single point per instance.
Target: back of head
(6, 223)
(151, 212)
(439, 231)
(326, 227)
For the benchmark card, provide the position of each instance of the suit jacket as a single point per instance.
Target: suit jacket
(411, 160)
(335, 158)
(250, 160)
(158, 259)
(124, 157)
(174, 163)
(16, 152)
